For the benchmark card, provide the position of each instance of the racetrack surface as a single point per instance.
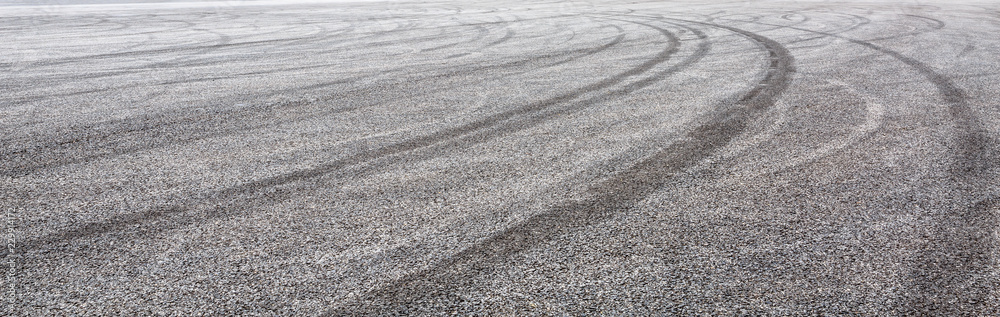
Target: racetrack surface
(501, 158)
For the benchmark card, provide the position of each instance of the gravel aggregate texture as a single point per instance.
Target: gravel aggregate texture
(500, 158)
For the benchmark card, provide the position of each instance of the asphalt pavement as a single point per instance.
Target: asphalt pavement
(500, 158)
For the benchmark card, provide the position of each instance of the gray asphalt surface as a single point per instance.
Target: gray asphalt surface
(501, 158)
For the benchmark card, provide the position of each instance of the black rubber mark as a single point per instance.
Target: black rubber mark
(609, 197)
(959, 249)
(506, 37)
(118, 137)
(481, 33)
(934, 24)
(261, 192)
(966, 50)
(858, 22)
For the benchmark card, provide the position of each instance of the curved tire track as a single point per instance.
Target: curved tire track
(610, 196)
(121, 137)
(961, 242)
(262, 192)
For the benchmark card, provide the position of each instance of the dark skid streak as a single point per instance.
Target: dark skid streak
(252, 195)
(113, 138)
(610, 197)
(492, 158)
(959, 244)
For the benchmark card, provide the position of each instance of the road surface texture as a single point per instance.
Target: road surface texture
(500, 158)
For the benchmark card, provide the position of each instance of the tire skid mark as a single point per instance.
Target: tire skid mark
(168, 30)
(709, 18)
(506, 37)
(142, 53)
(618, 192)
(121, 25)
(974, 145)
(874, 120)
(227, 122)
(129, 70)
(481, 32)
(753, 18)
(443, 33)
(566, 56)
(966, 50)
(355, 41)
(859, 21)
(318, 32)
(584, 51)
(788, 16)
(264, 191)
(223, 43)
(509, 34)
(178, 61)
(313, 39)
(934, 25)
(961, 244)
(533, 120)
